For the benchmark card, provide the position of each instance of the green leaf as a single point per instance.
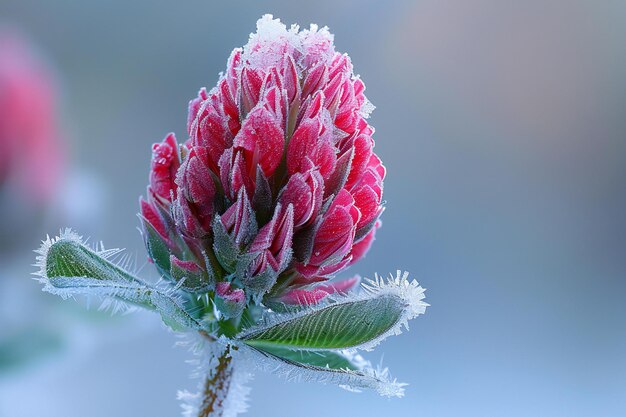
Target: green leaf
(257, 285)
(173, 314)
(359, 320)
(68, 268)
(347, 370)
(70, 258)
(319, 359)
(336, 326)
(129, 292)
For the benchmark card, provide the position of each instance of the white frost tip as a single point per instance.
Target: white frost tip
(268, 28)
(272, 40)
(410, 291)
(69, 235)
(400, 286)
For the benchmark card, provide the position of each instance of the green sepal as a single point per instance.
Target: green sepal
(194, 279)
(157, 248)
(226, 250)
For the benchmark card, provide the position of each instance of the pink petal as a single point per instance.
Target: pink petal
(302, 297)
(261, 139)
(152, 216)
(360, 248)
(227, 292)
(164, 165)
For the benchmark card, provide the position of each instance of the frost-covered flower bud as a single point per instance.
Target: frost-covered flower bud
(196, 192)
(229, 301)
(299, 296)
(260, 142)
(277, 188)
(151, 217)
(191, 276)
(208, 127)
(313, 141)
(368, 194)
(239, 220)
(164, 165)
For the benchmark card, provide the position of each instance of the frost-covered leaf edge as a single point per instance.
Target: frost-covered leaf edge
(367, 377)
(399, 285)
(117, 295)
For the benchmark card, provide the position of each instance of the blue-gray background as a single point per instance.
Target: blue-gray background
(503, 128)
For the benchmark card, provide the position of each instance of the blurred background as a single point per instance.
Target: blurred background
(503, 128)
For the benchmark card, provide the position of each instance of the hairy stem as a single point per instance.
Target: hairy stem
(217, 387)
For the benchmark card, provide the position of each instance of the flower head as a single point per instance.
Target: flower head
(277, 187)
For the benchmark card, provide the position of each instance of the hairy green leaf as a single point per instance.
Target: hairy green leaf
(347, 370)
(129, 292)
(68, 268)
(336, 326)
(70, 258)
(319, 359)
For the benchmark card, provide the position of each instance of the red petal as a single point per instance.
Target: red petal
(262, 140)
(251, 83)
(303, 297)
(362, 153)
(152, 216)
(315, 79)
(360, 248)
(164, 165)
(292, 85)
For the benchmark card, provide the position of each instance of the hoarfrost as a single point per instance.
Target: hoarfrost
(268, 46)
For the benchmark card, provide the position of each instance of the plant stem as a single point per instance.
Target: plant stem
(217, 387)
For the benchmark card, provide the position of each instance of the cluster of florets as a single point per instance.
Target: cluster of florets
(277, 187)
